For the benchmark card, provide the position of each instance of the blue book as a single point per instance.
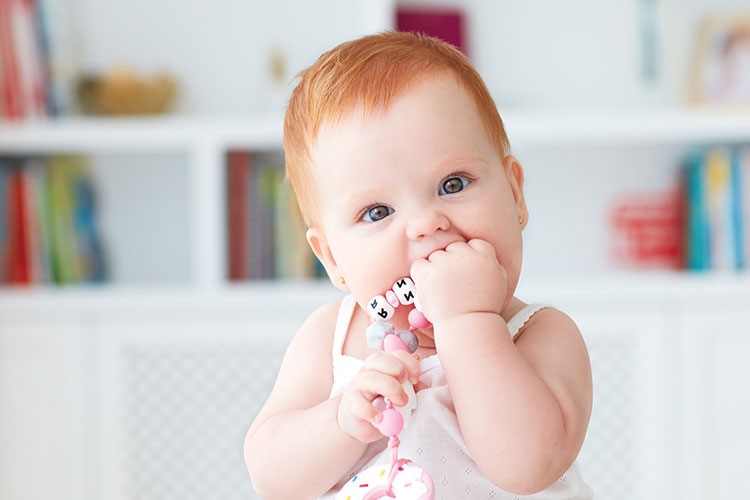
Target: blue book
(85, 227)
(698, 249)
(738, 210)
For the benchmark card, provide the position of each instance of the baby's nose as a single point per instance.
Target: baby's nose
(426, 223)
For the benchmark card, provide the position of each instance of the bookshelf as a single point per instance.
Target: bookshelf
(184, 158)
(659, 341)
(90, 371)
(187, 153)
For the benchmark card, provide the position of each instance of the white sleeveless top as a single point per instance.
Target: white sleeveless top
(433, 438)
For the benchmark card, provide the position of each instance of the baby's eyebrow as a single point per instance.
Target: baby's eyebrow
(358, 197)
(460, 161)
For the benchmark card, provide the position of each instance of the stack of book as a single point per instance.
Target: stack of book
(266, 233)
(48, 222)
(35, 67)
(717, 209)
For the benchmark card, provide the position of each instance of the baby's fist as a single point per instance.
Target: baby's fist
(463, 278)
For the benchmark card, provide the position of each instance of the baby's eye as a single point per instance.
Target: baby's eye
(454, 185)
(376, 213)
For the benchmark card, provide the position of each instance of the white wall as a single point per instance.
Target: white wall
(220, 49)
(532, 53)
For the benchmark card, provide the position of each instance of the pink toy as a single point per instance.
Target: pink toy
(417, 319)
(402, 479)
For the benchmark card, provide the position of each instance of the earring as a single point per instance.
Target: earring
(342, 280)
(520, 220)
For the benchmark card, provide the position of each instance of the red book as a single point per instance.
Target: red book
(18, 263)
(12, 94)
(238, 171)
(446, 24)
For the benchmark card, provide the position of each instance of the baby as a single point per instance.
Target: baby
(402, 168)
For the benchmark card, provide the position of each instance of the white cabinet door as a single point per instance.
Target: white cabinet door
(623, 456)
(177, 397)
(717, 403)
(41, 410)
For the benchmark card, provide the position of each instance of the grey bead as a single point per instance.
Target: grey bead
(409, 339)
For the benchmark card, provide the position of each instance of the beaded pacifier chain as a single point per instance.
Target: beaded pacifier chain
(405, 480)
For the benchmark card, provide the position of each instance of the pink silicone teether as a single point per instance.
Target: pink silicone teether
(394, 343)
(417, 319)
(392, 422)
(382, 308)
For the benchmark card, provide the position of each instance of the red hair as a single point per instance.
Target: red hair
(370, 72)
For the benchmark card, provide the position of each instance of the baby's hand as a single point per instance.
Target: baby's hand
(463, 278)
(381, 375)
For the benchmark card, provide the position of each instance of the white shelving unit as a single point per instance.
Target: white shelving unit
(197, 145)
(196, 148)
(102, 365)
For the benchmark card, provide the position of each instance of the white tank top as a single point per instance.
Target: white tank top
(433, 438)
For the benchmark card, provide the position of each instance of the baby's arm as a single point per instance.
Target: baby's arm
(523, 408)
(301, 443)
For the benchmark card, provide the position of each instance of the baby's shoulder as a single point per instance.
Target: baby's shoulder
(320, 324)
(310, 348)
(549, 321)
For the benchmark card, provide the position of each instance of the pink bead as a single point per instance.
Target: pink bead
(394, 343)
(417, 319)
(391, 424)
(379, 404)
(392, 298)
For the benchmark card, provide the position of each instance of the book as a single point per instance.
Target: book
(738, 203)
(56, 55)
(12, 97)
(717, 165)
(294, 259)
(266, 174)
(18, 269)
(28, 56)
(33, 172)
(65, 264)
(87, 245)
(4, 236)
(697, 251)
(441, 22)
(238, 195)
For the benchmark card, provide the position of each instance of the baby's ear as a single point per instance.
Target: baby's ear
(319, 245)
(514, 171)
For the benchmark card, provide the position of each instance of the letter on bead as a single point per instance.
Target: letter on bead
(405, 291)
(379, 308)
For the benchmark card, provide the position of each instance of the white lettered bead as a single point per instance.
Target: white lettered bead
(379, 309)
(405, 291)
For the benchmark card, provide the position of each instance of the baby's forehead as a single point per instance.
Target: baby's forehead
(358, 113)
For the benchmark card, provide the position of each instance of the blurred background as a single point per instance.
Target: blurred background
(153, 265)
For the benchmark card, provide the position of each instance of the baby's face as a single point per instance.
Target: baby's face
(409, 181)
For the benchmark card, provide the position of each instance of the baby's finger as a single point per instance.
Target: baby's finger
(417, 268)
(362, 408)
(411, 363)
(388, 364)
(481, 246)
(372, 384)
